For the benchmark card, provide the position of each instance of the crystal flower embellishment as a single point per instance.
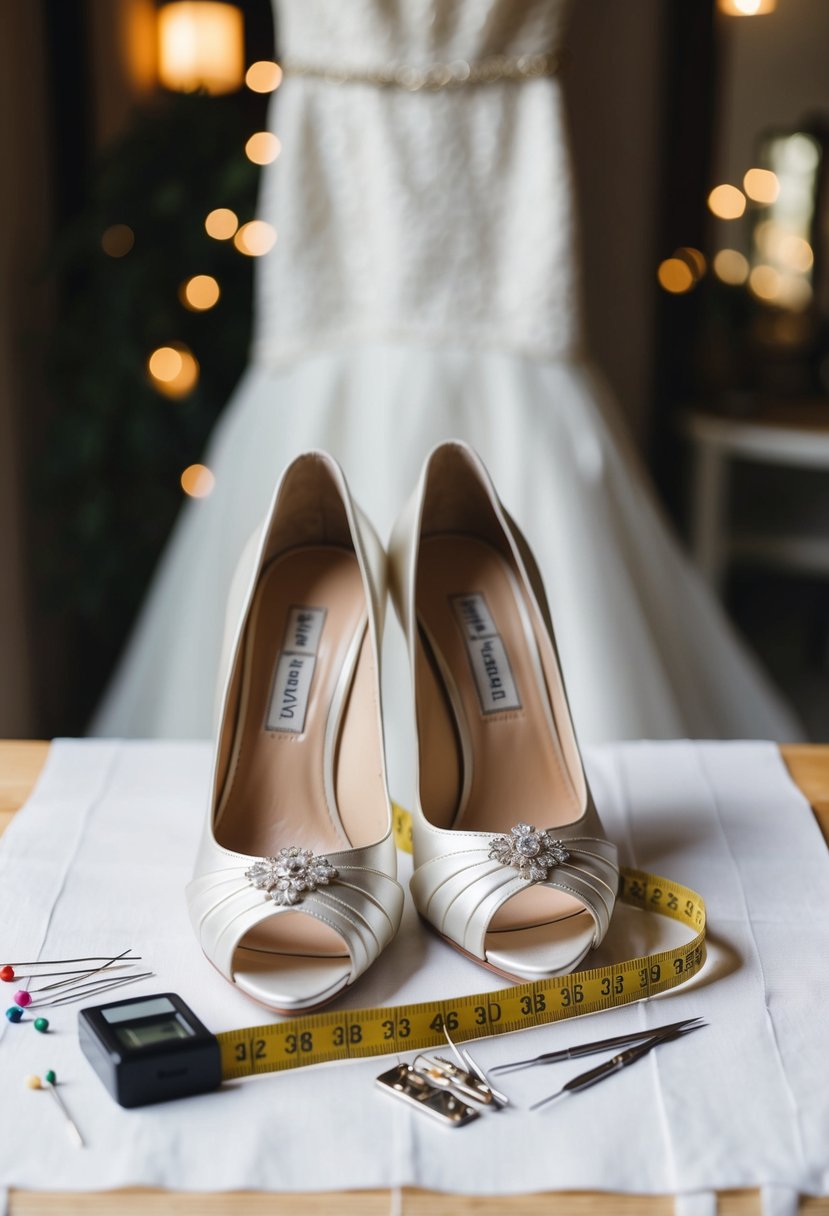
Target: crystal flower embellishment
(290, 874)
(530, 852)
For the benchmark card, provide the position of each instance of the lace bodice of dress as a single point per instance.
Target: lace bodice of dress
(436, 215)
(352, 35)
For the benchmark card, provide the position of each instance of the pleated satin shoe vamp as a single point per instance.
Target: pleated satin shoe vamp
(363, 904)
(458, 886)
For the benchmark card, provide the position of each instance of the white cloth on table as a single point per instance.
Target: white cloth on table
(98, 859)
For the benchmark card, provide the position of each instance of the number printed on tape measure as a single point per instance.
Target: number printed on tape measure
(355, 1033)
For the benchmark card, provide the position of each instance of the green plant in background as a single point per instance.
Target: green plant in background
(107, 479)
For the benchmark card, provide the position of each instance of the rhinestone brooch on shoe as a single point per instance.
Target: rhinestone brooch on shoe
(289, 875)
(530, 852)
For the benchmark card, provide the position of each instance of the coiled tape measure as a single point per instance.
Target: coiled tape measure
(174, 1054)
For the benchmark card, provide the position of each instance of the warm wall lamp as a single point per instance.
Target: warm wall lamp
(746, 8)
(201, 45)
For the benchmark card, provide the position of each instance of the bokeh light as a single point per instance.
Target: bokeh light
(746, 8)
(263, 76)
(199, 292)
(201, 46)
(221, 224)
(197, 481)
(795, 253)
(174, 370)
(255, 238)
(695, 259)
(727, 202)
(801, 154)
(117, 240)
(165, 364)
(764, 282)
(786, 248)
(263, 148)
(731, 267)
(675, 276)
(761, 185)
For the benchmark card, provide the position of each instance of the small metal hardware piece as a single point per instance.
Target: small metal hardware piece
(417, 1090)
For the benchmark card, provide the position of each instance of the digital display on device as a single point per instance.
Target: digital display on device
(146, 1033)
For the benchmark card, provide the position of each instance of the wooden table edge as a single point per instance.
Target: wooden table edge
(21, 763)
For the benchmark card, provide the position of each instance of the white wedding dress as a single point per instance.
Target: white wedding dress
(423, 287)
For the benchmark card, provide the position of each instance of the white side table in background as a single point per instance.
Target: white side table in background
(785, 435)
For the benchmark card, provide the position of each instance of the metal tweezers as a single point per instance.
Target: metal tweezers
(591, 1049)
(584, 1080)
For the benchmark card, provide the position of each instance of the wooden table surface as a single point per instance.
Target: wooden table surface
(20, 764)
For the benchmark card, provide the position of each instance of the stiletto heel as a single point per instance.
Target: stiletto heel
(511, 863)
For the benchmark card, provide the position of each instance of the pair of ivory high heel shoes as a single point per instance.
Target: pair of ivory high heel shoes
(295, 891)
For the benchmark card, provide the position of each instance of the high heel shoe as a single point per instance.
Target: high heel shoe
(512, 866)
(295, 892)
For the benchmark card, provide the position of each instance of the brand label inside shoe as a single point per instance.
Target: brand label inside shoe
(473, 614)
(487, 655)
(302, 634)
(295, 670)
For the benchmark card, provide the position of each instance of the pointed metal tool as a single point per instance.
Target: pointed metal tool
(75, 977)
(71, 1125)
(585, 1079)
(590, 1049)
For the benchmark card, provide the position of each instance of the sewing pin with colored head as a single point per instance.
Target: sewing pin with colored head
(34, 1082)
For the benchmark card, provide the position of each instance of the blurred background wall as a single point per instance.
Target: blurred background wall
(617, 53)
(25, 192)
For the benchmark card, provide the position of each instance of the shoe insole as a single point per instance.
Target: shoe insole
(490, 754)
(306, 768)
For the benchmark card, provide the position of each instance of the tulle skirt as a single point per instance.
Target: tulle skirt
(646, 650)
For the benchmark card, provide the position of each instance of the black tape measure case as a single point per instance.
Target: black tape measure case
(150, 1049)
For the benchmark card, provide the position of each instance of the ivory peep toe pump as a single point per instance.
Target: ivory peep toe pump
(295, 892)
(512, 866)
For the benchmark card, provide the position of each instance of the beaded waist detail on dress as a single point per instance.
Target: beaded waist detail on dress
(494, 69)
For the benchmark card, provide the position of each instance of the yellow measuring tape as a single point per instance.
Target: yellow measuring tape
(353, 1033)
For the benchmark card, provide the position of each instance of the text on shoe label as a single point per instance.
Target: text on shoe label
(295, 670)
(487, 655)
(473, 614)
(302, 634)
(289, 699)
